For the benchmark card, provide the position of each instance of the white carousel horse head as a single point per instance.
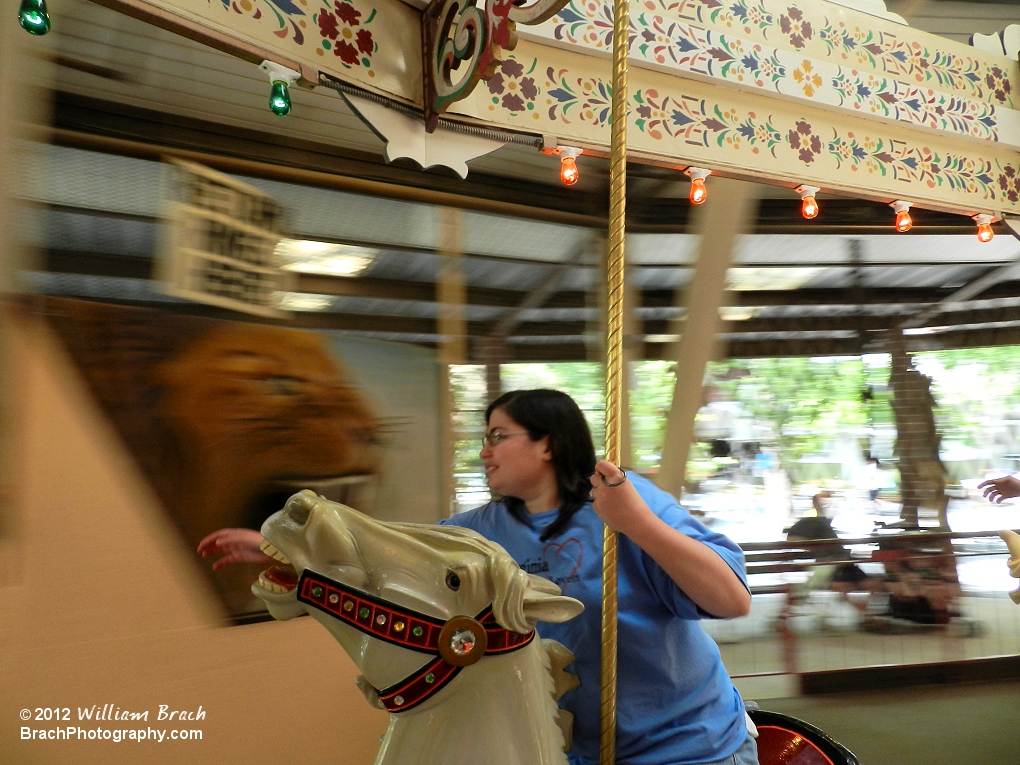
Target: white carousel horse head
(439, 620)
(1012, 540)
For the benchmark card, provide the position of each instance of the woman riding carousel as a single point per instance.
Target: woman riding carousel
(675, 702)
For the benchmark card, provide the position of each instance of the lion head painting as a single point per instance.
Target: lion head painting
(227, 419)
(260, 409)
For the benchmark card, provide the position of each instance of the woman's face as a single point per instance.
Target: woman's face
(515, 466)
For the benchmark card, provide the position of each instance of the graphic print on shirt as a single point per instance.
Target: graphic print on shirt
(560, 562)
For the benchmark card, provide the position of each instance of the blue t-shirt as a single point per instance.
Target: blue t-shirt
(675, 702)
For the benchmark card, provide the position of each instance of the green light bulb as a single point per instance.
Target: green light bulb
(279, 97)
(33, 17)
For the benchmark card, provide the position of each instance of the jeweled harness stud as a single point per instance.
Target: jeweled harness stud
(455, 643)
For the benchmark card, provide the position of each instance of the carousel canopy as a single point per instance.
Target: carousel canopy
(128, 92)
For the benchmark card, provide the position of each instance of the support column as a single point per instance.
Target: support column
(728, 212)
(930, 574)
(451, 296)
(922, 474)
(491, 351)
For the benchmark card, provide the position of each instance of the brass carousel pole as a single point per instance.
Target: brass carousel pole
(614, 364)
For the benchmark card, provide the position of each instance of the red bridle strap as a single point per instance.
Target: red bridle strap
(401, 626)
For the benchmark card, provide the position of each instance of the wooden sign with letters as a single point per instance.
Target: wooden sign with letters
(220, 240)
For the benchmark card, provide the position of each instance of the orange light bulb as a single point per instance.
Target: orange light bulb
(903, 222)
(568, 170)
(809, 207)
(698, 191)
(984, 232)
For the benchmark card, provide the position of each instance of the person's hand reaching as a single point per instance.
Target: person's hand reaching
(236, 546)
(998, 489)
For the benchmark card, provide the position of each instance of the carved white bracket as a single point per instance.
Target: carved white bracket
(1005, 43)
(1011, 40)
(406, 137)
(987, 43)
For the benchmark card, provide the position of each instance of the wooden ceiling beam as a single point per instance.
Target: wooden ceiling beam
(577, 351)
(97, 264)
(392, 289)
(476, 329)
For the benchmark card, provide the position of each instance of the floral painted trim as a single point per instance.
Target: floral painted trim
(344, 32)
(340, 27)
(697, 122)
(519, 91)
(800, 31)
(282, 13)
(664, 41)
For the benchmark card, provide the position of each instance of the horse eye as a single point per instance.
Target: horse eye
(453, 581)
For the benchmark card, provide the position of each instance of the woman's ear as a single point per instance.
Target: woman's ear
(547, 454)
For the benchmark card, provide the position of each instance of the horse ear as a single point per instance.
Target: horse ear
(541, 584)
(520, 599)
(543, 607)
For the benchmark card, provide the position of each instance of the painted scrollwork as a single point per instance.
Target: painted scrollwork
(463, 40)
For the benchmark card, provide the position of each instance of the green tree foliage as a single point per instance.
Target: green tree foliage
(581, 380)
(975, 388)
(800, 405)
(806, 402)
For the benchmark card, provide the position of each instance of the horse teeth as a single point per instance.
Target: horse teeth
(271, 551)
(271, 586)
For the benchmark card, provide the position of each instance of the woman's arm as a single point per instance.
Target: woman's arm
(696, 568)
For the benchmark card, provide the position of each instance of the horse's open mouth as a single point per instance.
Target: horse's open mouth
(280, 579)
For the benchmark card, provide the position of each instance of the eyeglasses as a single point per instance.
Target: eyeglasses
(492, 439)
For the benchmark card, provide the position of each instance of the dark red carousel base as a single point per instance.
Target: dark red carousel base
(785, 740)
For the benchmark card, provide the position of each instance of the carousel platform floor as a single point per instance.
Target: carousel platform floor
(899, 720)
(829, 635)
(963, 724)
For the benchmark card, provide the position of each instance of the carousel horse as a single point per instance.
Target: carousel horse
(441, 624)
(1012, 540)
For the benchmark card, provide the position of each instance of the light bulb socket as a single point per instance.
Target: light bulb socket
(983, 219)
(279, 73)
(695, 173)
(807, 191)
(568, 151)
(900, 206)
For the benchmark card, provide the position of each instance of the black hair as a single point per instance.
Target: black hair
(553, 414)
